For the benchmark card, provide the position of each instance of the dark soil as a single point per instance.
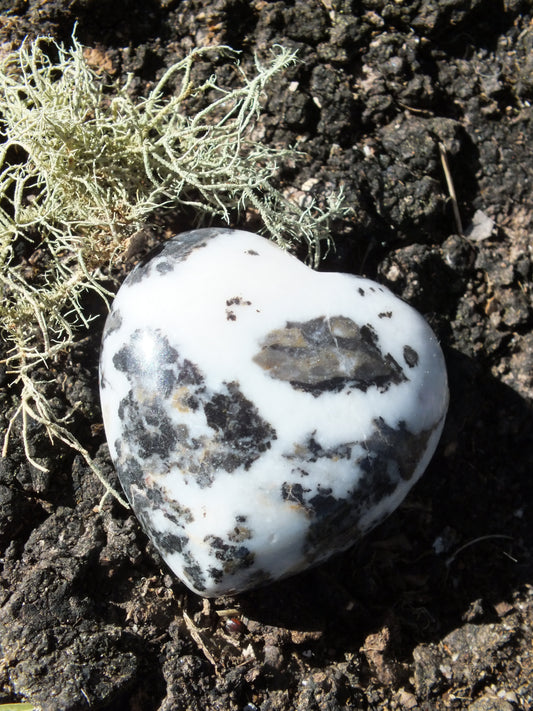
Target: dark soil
(433, 610)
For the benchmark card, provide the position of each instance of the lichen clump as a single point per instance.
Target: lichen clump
(83, 166)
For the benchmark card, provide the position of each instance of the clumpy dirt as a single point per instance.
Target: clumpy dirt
(434, 609)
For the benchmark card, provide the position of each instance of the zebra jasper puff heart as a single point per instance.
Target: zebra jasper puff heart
(262, 416)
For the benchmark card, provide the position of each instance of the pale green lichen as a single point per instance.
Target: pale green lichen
(83, 166)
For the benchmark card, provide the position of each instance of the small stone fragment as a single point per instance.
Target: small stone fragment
(263, 416)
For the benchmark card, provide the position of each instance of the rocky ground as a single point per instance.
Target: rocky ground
(433, 610)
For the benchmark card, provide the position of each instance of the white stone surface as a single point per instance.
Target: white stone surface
(263, 416)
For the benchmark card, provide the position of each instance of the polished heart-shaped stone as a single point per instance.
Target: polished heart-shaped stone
(261, 415)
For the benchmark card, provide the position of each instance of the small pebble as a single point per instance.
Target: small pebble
(263, 416)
